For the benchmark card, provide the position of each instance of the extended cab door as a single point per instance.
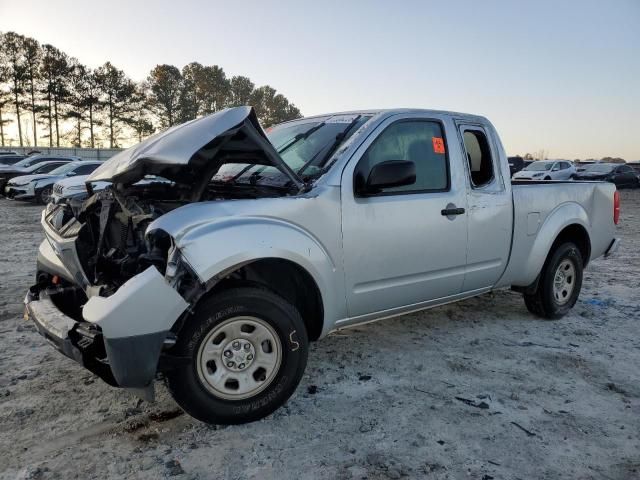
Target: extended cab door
(490, 206)
(405, 245)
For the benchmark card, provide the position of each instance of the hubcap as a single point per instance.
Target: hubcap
(564, 281)
(239, 358)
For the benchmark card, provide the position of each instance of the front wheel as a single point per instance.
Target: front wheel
(248, 350)
(45, 196)
(560, 283)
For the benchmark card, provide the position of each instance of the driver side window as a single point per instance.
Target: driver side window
(421, 142)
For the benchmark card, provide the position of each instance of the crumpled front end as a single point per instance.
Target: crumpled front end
(112, 315)
(111, 286)
(119, 338)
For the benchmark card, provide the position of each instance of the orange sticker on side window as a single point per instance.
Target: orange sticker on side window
(438, 144)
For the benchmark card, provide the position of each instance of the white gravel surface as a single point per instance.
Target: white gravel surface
(479, 390)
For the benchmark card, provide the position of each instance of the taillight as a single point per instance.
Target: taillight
(616, 207)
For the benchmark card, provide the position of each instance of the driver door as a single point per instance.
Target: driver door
(400, 246)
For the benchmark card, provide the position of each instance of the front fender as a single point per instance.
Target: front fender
(215, 248)
(565, 214)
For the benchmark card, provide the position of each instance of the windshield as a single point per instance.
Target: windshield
(539, 166)
(599, 168)
(69, 167)
(304, 145)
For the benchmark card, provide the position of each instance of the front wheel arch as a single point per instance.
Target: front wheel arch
(286, 279)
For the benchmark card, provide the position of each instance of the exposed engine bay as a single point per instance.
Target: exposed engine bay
(224, 156)
(113, 244)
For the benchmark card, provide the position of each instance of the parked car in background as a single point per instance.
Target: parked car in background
(218, 283)
(8, 152)
(38, 186)
(31, 160)
(515, 164)
(73, 191)
(28, 168)
(635, 166)
(620, 174)
(547, 170)
(10, 159)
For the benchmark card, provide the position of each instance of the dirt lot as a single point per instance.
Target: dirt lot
(478, 390)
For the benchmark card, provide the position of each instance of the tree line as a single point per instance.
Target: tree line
(63, 102)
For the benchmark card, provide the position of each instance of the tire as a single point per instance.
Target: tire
(553, 303)
(547, 178)
(199, 385)
(44, 196)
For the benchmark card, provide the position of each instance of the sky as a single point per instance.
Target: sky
(560, 76)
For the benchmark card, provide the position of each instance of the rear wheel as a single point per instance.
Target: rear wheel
(547, 178)
(559, 285)
(248, 350)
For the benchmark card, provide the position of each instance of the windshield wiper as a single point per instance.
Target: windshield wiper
(336, 143)
(300, 136)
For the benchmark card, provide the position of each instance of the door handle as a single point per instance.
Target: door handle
(447, 212)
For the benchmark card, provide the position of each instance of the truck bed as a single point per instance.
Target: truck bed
(542, 209)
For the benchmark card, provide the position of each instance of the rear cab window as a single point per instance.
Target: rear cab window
(480, 160)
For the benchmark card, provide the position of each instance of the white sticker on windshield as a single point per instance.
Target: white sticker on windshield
(342, 119)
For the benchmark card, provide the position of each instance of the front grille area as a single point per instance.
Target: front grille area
(57, 189)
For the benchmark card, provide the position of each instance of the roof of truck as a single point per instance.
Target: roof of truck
(395, 111)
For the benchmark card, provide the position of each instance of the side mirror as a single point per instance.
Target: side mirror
(70, 174)
(392, 173)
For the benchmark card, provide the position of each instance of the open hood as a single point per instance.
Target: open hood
(185, 152)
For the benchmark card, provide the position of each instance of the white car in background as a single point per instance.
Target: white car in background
(73, 188)
(73, 191)
(547, 170)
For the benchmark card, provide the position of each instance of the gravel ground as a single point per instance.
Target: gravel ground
(479, 390)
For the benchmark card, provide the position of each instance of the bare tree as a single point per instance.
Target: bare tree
(75, 111)
(240, 91)
(13, 54)
(140, 117)
(5, 97)
(54, 69)
(57, 92)
(32, 58)
(165, 88)
(92, 104)
(272, 107)
(116, 93)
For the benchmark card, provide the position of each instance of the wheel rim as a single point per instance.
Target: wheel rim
(45, 195)
(239, 358)
(564, 281)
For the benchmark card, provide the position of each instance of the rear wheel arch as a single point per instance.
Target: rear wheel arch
(286, 279)
(576, 234)
(573, 233)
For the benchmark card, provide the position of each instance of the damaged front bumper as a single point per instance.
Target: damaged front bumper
(121, 337)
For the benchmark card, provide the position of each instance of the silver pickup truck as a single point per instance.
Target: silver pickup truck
(256, 243)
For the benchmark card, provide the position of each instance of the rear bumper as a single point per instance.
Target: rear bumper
(613, 247)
